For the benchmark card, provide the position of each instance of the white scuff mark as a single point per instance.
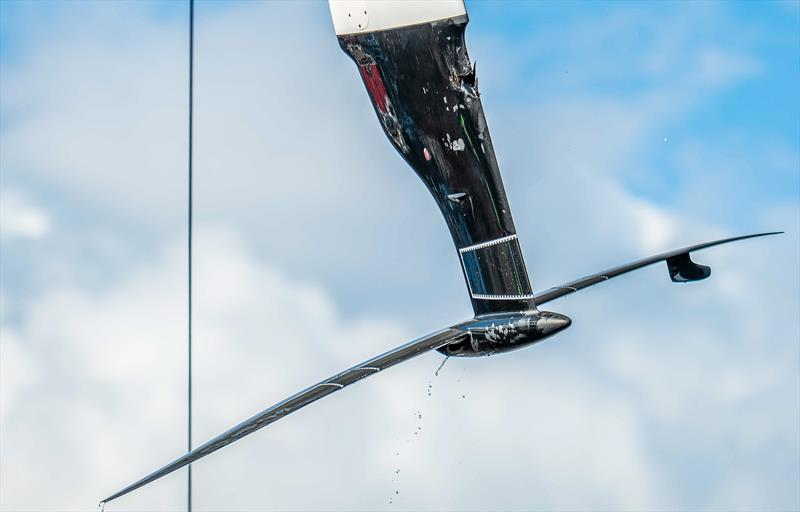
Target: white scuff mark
(445, 99)
(473, 342)
(455, 145)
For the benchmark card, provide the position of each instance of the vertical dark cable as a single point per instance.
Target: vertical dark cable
(189, 216)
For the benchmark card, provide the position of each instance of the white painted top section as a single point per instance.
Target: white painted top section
(355, 16)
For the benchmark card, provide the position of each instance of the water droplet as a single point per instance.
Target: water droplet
(463, 396)
(396, 471)
(436, 373)
(419, 416)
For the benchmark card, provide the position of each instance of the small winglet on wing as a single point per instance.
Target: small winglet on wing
(681, 269)
(303, 398)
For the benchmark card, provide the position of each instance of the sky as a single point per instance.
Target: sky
(621, 130)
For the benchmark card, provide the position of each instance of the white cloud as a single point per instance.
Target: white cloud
(20, 217)
(296, 159)
(652, 383)
(540, 430)
(111, 369)
(17, 370)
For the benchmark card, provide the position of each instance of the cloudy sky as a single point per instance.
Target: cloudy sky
(622, 129)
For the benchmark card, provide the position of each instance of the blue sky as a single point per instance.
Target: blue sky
(622, 129)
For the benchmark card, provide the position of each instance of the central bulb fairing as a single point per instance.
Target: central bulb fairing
(493, 334)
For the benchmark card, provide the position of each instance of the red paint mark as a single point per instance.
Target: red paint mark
(372, 78)
(426, 154)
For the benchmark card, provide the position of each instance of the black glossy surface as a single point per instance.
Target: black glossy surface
(494, 334)
(683, 270)
(423, 88)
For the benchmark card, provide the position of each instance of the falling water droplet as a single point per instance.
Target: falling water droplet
(436, 373)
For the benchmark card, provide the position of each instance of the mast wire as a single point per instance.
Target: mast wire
(190, 225)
